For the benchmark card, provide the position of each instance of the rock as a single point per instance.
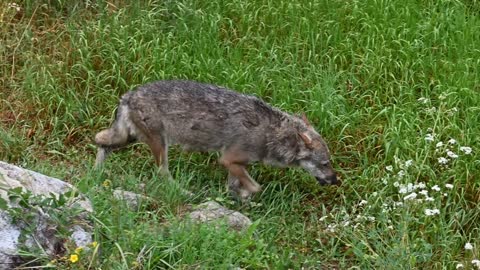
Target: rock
(27, 223)
(211, 211)
(9, 235)
(12, 176)
(132, 200)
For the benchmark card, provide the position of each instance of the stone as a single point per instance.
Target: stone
(211, 211)
(40, 232)
(131, 199)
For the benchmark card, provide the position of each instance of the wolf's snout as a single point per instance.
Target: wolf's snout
(328, 180)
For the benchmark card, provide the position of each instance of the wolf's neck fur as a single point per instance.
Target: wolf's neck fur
(283, 141)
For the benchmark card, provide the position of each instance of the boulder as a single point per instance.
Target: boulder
(131, 199)
(29, 201)
(211, 212)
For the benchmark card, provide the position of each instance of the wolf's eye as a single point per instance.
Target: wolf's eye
(324, 163)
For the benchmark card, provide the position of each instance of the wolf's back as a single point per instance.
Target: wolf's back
(200, 116)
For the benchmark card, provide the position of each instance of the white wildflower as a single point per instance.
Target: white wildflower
(362, 202)
(420, 185)
(331, 228)
(459, 266)
(449, 186)
(424, 192)
(468, 246)
(432, 212)
(431, 110)
(476, 263)
(442, 160)
(390, 227)
(436, 188)
(346, 223)
(408, 163)
(14, 6)
(465, 149)
(374, 194)
(389, 168)
(452, 141)
(423, 100)
(401, 174)
(439, 144)
(429, 137)
(396, 184)
(429, 199)
(410, 196)
(452, 154)
(406, 188)
(322, 218)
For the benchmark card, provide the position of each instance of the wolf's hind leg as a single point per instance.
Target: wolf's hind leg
(159, 149)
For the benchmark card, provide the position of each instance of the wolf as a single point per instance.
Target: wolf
(205, 117)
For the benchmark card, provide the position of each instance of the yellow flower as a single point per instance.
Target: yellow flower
(74, 258)
(94, 244)
(78, 250)
(106, 183)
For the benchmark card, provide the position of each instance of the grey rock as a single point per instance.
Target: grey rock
(43, 236)
(9, 235)
(131, 199)
(211, 211)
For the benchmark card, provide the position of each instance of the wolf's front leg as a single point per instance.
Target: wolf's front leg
(236, 190)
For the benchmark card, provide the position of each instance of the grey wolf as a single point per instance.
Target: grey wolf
(205, 117)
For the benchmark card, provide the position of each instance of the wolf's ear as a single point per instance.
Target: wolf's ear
(303, 117)
(305, 120)
(306, 139)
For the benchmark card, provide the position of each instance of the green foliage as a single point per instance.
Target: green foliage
(377, 78)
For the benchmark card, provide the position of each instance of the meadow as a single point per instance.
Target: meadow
(392, 86)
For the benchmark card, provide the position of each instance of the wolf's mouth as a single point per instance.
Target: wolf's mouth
(330, 180)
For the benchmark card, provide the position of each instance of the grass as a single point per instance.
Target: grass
(375, 78)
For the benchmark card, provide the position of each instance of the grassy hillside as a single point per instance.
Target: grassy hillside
(393, 86)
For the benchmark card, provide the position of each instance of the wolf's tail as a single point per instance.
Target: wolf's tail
(117, 136)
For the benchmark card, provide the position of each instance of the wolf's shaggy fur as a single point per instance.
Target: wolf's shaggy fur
(204, 117)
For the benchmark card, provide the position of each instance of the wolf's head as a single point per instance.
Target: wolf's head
(314, 155)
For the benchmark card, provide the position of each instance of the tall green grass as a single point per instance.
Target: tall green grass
(375, 77)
